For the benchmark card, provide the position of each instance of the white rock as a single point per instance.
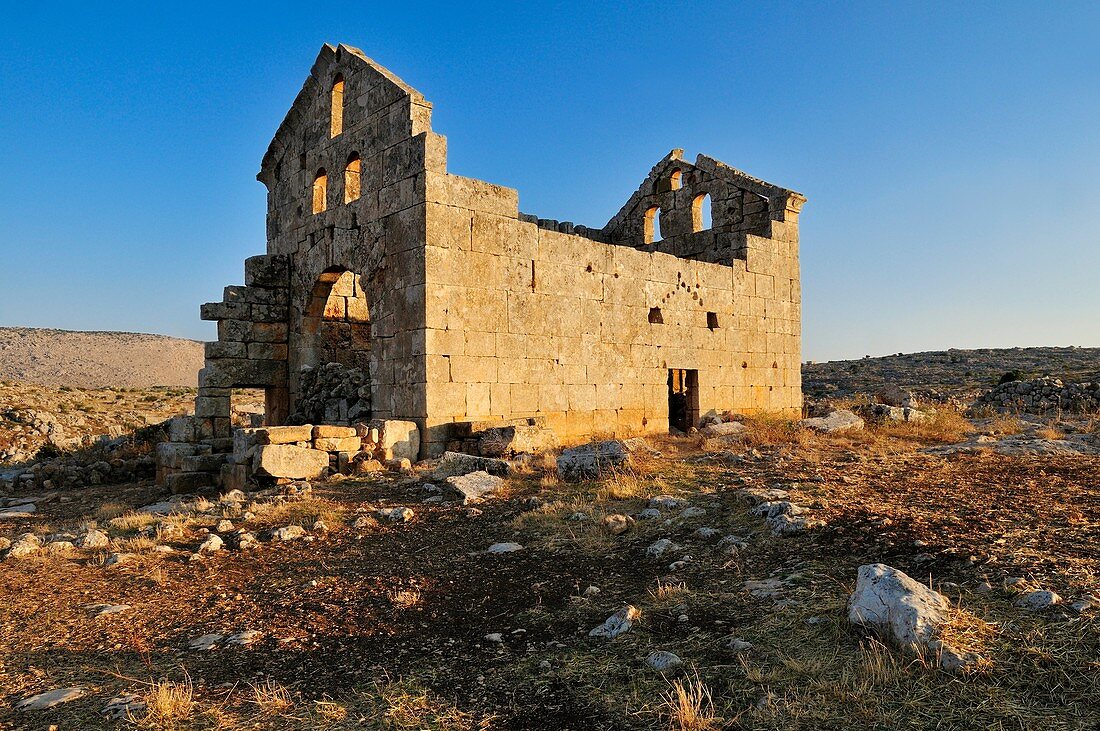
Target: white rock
(1038, 600)
(591, 591)
(60, 548)
(25, 545)
(26, 510)
(244, 637)
(224, 526)
(507, 547)
(663, 660)
(288, 533)
(617, 524)
(890, 601)
(617, 623)
(838, 421)
(660, 547)
(589, 461)
(123, 706)
(396, 515)
(649, 514)
(725, 429)
(692, 512)
(50, 698)
(494, 637)
(212, 543)
(475, 486)
(739, 645)
(94, 539)
(666, 502)
(205, 642)
(707, 533)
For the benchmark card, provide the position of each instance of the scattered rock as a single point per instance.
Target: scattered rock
(244, 637)
(1038, 600)
(224, 526)
(661, 547)
(889, 601)
(504, 548)
(104, 610)
(617, 524)
(205, 642)
(951, 658)
(739, 645)
(364, 522)
(590, 461)
(617, 623)
(725, 429)
(494, 637)
(94, 539)
(591, 591)
(475, 486)
(707, 534)
(118, 559)
(288, 533)
(212, 543)
(692, 512)
(25, 545)
(666, 502)
(50, 698)
(838, 421)
(26, 510)
(60, 548)
(649, 514)
(662, 660)
(123, 706)
(396, 515)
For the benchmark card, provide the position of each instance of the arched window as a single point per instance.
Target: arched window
(336, 122)
(320, 191)
(651, 225)
(352, 178)
(675, 179)
(700, 213)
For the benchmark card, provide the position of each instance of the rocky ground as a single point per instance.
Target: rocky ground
(97, 359)
(946, 374)
(323, 607)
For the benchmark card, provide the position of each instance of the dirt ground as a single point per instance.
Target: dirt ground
(385, 625)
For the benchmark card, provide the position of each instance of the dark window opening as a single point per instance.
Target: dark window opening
(655, 316)
(683, 399)
(712, 320)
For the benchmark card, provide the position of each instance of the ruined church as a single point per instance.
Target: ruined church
(392, 289)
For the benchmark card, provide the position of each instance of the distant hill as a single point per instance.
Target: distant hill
(948, 371)
(97, 359)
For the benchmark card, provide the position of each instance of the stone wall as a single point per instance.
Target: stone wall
(1042, 395)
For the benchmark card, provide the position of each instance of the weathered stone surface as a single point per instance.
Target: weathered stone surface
(396, 515)
(618, 623)
(475, 486)
(457, 463)
(662, 660)
(1038, 600)
(94, 539)
(25, 545)
(506, 547)
(396, 439)
(589, 461)
(288, 533)
(188, 482)
(616, 524)
(838, 421)
(508, 441)
(891, 602)
(327, 431)
(285, 460)
(50, 698)
(285, 434)
(337, 444)
(725, 429)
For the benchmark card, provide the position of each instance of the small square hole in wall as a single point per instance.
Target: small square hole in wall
(712, 320)
(655, 316)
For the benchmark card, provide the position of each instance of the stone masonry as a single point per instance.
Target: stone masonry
(454, 307)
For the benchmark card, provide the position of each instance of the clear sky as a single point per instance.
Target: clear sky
(950, 153)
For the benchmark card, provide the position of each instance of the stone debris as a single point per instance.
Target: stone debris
(706, 533)
(205, 642)
(667, 502)
(739, 645)
(756, 495)
(118, 559)
(617, 524)
(732, 544)
(506, 547)
(952, 659)
(212, 543)
(1042, 395)
(454, 464)
(288, 533)
(364, 522)
(662, 660)
(105, 610)
(396, 515)
(618, 623)
(50, 698)
(475, 486)
(835, 422)
(784, 517)
(889, 601)
(725, 429)
(496, 637)
(94, 539)
(25, 545)
(590, 461)
(649, 514)
(1038, 600)
(224, 526)
(765, 588)
(244, 637)
(26, 510)
(692, 512)
(591, 591)
(660, 548)
(60, 548)
(123, 706)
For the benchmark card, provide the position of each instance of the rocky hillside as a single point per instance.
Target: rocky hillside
(948, 372)
(97, 359)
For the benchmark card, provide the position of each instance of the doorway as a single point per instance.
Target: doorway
(683, 398)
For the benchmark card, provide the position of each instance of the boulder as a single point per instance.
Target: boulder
(284, 460)
(508, 441)
(475, 486)
(589, 461)
(617, 623)
(457, 463)
(25, 545)
(337, 444)
(838, 421)
(616, 524)
(662, 660)
(1038, 600)
(395, 439)
(50, 698)
(725, 429)
(396, 515)
(894, 395)
(288, 533)
(889, 601)
(212, 543)
(284, 434)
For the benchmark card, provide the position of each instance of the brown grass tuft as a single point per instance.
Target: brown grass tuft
(168, 704)
(690, 706)
(270, 698)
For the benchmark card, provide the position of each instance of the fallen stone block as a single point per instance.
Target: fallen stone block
(838, 421)
(184, 482)
(327, 431)
(891, 602)
(284, 434)
(590, 461)
(475, 485)
(285, 460)
(508, 441)
(457, 463)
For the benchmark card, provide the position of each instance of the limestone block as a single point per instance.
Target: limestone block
(284, 434)
(589, 461)
(285, 460)
(266, 270)
(457, 463)
(337, 444)
(397, 439)
(234, 330)
(511, 440)
(185, 482)
(328, 431)
(224, 311)
(171, 454)
(207, 406)
(203, 463)
(181, 429)
(268, 332)
(225, 349)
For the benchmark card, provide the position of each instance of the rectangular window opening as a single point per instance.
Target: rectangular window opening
(712, 320)
(683, 399)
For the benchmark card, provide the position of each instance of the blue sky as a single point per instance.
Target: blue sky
(950, 153)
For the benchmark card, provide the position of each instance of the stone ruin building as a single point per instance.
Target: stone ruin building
(396, 293)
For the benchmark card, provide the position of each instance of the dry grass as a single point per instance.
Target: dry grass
(1049, 432)
(406, 706)
(132, 521)
(168, 705)
(137, 544)
(404, 598)
(110, 510)
(946, 426)
(626, 484)
(666, 592)
(767, 429)
(1006, 425)
(270, 698)
(299, 512)
(690, 706)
